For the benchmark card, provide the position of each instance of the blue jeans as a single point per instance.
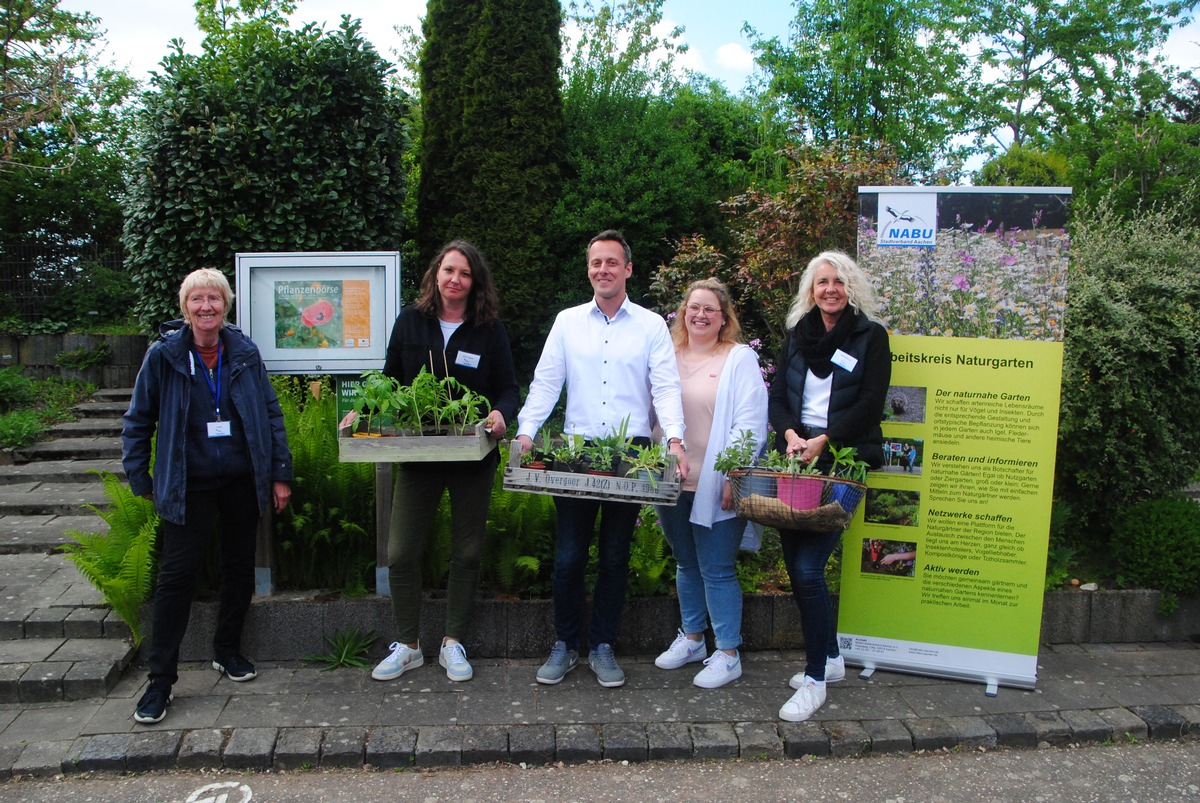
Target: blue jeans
(706, 573)
(576, 525)
(805, 554)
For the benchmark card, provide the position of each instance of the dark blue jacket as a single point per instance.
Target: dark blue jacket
(161, 399)
(856, 400)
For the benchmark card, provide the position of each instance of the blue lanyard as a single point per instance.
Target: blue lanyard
(215, 391)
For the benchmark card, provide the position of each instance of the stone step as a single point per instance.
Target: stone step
(102, 409)
(41, 670)
(105, 448)
(59, 471)
(23, 535)
(87, 428)
(113, 395)
(50, 498)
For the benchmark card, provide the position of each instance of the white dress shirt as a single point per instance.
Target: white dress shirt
(612, 368)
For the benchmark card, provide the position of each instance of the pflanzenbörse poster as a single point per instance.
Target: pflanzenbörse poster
(322, 314)
(943, 569)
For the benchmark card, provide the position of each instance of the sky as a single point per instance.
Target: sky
(139, 30)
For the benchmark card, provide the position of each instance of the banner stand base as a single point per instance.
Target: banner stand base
(992, 689)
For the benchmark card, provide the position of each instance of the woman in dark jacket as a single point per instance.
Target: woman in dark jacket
(453, 326)
(831, 382)
(221, 451)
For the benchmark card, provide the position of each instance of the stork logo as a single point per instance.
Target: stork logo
(908, 219)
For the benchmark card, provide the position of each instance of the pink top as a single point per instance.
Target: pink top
(698, 383)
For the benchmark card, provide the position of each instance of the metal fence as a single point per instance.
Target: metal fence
(35, 277)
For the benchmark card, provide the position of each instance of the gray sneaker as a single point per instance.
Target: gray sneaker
(604, 664)
(560, 662)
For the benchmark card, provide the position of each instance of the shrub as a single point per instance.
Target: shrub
(269, 140)
(1131, 368)
(15, 389)
(1156, 544)
(19, 428)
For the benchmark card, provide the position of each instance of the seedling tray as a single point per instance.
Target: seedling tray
(591, 486)
(428, 448)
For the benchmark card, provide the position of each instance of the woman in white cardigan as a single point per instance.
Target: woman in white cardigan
(723, 395)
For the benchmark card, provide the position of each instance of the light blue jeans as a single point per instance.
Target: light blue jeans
(706, 573)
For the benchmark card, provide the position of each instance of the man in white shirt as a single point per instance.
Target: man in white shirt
(616, 360)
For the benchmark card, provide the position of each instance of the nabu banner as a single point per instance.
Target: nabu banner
(943, 568)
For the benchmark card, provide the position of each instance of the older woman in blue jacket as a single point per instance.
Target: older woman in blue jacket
(222, 454)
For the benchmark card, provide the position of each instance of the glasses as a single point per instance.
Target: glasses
(695, 309)
(212, 298)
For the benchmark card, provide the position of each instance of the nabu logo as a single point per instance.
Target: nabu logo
(905, 225)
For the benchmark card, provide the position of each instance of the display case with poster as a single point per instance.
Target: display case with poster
(319, 312)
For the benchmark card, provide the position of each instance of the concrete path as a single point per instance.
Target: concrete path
(296, 715)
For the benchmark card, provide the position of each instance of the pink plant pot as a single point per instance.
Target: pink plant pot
(800, 493)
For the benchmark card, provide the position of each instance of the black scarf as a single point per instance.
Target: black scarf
(818, 344)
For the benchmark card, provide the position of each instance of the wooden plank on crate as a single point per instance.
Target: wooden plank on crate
(414, 448)
(590, 486)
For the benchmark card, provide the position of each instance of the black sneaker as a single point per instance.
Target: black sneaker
(235, 667)
(153, 705)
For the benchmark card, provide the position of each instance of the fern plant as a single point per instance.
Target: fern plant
(519, 552)
(121, 562)
(326, 537)
(649, 562)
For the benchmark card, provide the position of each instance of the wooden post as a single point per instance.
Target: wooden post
(383, 521)
(264, 555)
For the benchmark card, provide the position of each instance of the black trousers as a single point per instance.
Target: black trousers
(182, 549)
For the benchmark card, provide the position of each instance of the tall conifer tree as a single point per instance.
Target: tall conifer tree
(492, 146)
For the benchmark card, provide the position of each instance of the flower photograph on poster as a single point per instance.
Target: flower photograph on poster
(983, 278)
(308, 315)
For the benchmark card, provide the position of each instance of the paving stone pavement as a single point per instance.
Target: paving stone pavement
(296, 715)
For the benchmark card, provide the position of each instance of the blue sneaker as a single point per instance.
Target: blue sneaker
(153, 705)
(604, 664)
(235, 667)
(400, 661)
(453, 658)
(560, 662)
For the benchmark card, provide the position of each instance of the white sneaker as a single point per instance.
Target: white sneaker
(402, 659)
(835, 670)
(805, 702)
(683, 650)
(454, 658)
(719, 669)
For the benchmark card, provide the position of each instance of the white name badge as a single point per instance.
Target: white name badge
(843, 360)
(219, 429)
(467, 359)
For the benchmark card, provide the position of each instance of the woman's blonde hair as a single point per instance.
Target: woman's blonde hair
(731, 330)
(206, 278)
(859, 293)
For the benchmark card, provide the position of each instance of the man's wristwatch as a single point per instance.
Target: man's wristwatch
(672, 441)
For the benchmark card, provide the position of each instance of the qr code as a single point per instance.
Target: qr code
(845, 642)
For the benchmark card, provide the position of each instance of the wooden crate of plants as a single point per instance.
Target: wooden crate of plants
(653, 481)
(430, 420)
(430, 446)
